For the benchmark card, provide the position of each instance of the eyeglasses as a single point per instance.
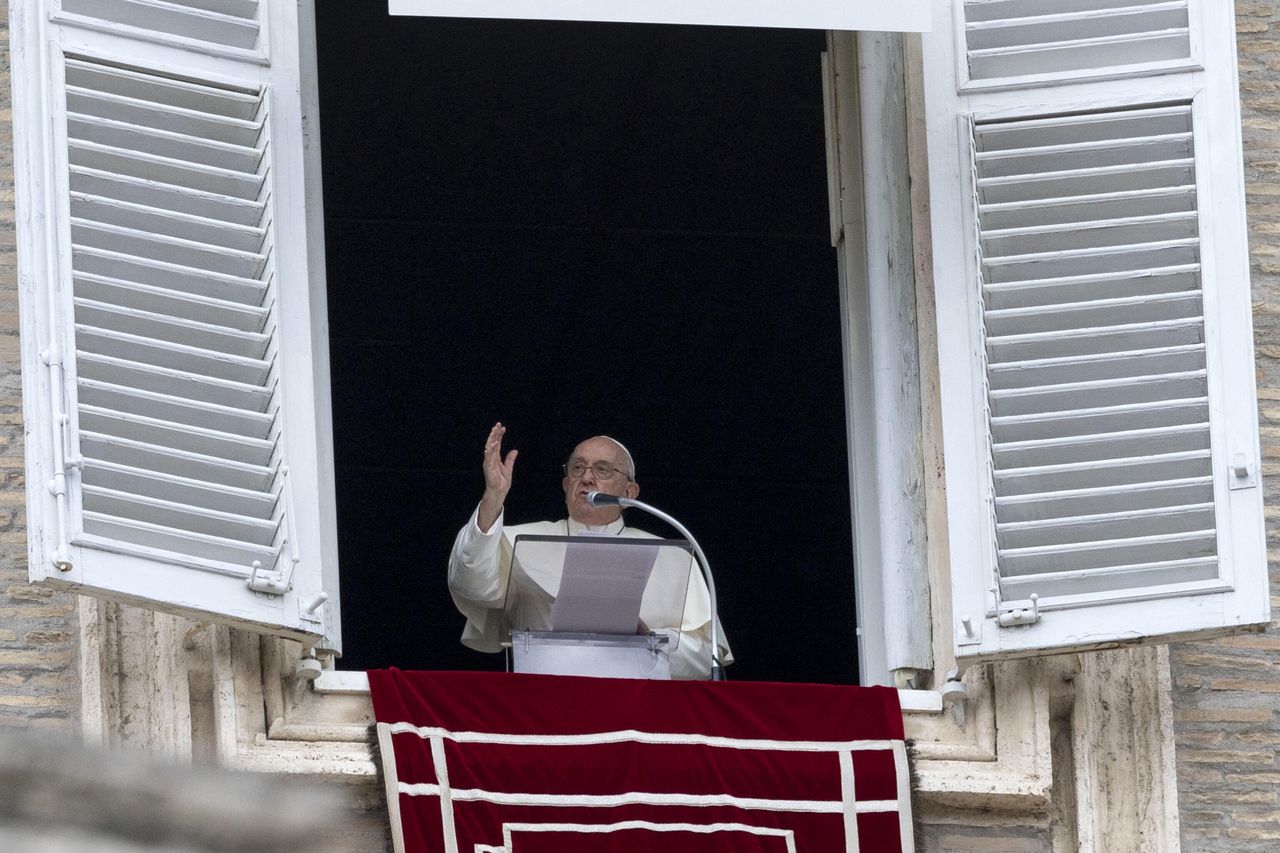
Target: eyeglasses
(602, 470)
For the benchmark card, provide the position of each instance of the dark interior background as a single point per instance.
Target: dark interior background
(581, 229)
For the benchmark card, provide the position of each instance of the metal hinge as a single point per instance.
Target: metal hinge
(271, 582)
(1019, 612)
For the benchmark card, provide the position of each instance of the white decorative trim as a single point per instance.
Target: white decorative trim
(847, 806)
(903, 774)
(849, 802)
(636, 798)
(444, 791)
(392, 786)
(787, 836)
(634, 736)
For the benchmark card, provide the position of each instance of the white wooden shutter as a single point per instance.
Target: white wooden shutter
(167, 312)
(1091, 268)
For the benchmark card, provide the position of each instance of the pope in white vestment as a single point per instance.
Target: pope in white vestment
(480, 562)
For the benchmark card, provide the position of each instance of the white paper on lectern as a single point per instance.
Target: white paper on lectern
(601, 588)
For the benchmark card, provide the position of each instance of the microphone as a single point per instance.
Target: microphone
(601, 499)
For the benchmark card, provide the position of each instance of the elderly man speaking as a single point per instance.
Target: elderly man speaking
(481, 557)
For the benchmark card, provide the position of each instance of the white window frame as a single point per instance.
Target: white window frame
(871, 225)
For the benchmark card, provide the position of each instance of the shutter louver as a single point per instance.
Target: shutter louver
(173, 326)
(225, 23)
(1013, 40)
(1096, 372)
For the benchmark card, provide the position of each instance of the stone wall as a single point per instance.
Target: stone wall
(1227, 692)
(38, 685)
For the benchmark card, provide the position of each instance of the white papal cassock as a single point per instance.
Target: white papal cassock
(480, 564)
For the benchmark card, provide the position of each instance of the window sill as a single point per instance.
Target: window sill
(335, 682)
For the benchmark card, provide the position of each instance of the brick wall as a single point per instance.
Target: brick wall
(38, 687)
(1227, 693)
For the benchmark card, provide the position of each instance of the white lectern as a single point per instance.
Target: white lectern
(596, 605)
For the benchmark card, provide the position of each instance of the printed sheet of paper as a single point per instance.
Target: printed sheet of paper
(602, 587)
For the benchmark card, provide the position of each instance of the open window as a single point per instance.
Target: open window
(1089, 268)
(584, 228)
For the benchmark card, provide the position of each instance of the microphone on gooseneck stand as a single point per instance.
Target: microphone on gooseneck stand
(600, 499)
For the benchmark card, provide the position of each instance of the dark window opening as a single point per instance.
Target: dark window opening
(581, 229)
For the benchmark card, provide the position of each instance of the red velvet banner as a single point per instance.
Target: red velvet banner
(497, 763)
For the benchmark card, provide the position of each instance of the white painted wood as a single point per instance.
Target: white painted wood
(872, 233)
(934, 486)
(903, 16)
(236, 28)
(233, 24)
(845, 145)
(894, 355)
(320, 409)
(1016, 43)
(1096, 355)
(166, 252)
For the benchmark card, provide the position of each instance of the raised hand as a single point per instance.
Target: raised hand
(497, 477)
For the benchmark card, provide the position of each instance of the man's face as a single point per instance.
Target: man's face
(592, 452)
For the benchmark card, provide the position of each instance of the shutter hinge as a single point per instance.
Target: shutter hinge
(1020, 612)
(64, 459)
(270, 582)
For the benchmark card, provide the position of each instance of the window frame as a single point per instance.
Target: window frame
(870, 174)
